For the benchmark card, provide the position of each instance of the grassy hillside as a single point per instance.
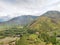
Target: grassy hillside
(44, 23)
(49, 21)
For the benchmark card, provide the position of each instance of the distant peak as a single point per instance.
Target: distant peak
(53, 12)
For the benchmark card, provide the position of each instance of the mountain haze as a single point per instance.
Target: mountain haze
(21, 20)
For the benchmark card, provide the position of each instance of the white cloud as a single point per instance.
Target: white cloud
(27, 7)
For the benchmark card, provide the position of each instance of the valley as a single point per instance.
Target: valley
(32, 30)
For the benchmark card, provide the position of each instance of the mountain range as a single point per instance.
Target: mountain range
(50, 18)
(20, 20)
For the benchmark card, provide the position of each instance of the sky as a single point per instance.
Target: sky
(15, 8)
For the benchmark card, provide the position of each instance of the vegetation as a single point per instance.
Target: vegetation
(43, 31)
(30, 37)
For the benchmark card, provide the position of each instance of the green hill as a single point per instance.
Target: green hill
(48, 21)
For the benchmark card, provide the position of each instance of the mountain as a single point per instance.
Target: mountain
(47, 22)
(43, 31)
(20, 20)
(53, 15)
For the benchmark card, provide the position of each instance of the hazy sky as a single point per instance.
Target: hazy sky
(27, 7)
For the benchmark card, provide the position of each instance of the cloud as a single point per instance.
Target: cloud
(27, 7)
